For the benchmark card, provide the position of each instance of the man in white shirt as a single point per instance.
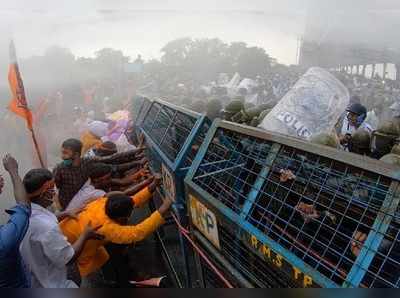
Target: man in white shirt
(45, 249)
(87, 193)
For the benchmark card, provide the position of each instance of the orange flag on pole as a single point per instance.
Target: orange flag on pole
(18, 103)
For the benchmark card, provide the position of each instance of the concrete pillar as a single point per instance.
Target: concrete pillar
(364, 67)
(384, 71)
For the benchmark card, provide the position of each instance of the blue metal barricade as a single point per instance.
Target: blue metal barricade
(139, 108)
(173, 136)
(287, 213)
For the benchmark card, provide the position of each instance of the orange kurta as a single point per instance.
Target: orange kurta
(89, 141)
(94, 255)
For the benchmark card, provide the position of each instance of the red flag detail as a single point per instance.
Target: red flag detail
(18, 103)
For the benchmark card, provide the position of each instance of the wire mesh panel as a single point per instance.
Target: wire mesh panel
(383, 271)
(315, 214)
(138, 107)
(322, 210)
(174, 136)
(228, 169)
(196, 145)
(169, 128)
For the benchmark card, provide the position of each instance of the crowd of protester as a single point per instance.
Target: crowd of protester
(65, 219)
(61, 232)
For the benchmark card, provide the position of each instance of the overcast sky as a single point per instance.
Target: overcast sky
(135, 27)
(144, 27)
(85, 5)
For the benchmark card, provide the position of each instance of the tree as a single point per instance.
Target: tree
(175, 52)
(55, 68)
(253, 62)
(110, 62)
(206, 59)
(235, 50)
(202, 60)
(56, 54)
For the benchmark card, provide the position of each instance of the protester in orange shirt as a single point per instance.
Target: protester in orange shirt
(111, 213)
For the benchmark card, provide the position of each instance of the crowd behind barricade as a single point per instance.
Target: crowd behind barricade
(369, 126)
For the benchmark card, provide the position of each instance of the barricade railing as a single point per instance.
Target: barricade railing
(287, 213)
(173, 136)
(139, 108)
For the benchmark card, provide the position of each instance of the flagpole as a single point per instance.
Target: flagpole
(18, 91)
(37, 147)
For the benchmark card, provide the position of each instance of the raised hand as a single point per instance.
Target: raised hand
(10, 164)
(307, 211)
(286, 175)
(157, 179)
(142, 141)
(357, 242)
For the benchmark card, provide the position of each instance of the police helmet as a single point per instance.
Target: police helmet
(359, 110)
(360, 142)
(326, 139)
(392, 159)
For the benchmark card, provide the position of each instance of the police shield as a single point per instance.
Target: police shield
(311, 107)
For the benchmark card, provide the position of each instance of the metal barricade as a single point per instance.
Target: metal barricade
(173, 136)
(287, 213)
(139, 108)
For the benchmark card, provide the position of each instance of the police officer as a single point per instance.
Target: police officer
(213, 109)
(233, 108)
(384, 138)
(360, 143)
(353, 121)
(198, 106)
(391, 158)
(326, 139)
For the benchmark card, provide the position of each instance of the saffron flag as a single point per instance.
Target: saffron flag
(18, 103)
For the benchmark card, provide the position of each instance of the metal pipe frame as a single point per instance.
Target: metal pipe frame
(375, 236)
